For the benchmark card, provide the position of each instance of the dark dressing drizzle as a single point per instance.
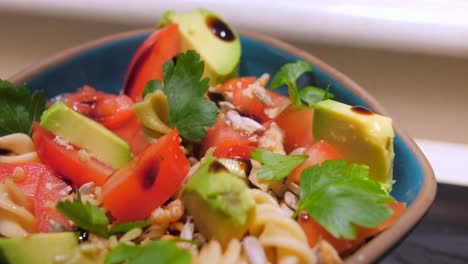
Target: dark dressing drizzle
(361, 110)
(216, 167)
(149, 175)
(5, 152)
(137, 67)
(83, 236)
(219, 28)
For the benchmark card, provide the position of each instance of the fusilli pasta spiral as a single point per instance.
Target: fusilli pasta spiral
(212, 252)
(281, 237)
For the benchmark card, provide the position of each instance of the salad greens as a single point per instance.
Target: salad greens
(157, 252)
(91, 218)
(288, 75)
(275, 166)
(189, 111)
(339, 197)
(18, 108)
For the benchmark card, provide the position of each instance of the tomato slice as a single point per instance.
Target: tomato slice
(115, 112)
(147, 181)
(43, 189)
(50, 190)
(297, 126)
(233, 150)
(231, 84)
(318, 153)
(66, 160)
(315, 232)
(252, 106)
(149, 59)
(221, 132)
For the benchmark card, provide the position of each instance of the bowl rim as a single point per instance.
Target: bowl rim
(372, 250)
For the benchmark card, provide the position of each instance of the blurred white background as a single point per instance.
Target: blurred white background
(413, 57)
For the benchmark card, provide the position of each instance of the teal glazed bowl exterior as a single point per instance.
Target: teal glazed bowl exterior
(103, 64)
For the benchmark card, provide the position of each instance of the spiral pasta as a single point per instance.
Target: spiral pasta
(18, 148)
(15, 218)
(153, 113)
(212, 252)
(281, 237)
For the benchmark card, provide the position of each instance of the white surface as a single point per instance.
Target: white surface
(448, 160)
(431, 26)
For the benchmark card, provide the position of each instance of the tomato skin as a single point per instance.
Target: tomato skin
(66, 162)
(50, 190)
(147, 181)
(315, 232)
(253, 107)
(115, 112)
(318, 153)
(221, 132)
(42, 188)
(147, 64)
(233, 150)
(297, 126)
(231, 84)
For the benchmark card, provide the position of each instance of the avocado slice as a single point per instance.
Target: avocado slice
(358, 134)
(208, 34)
(86, 134)
(220, 203)
(45, 248)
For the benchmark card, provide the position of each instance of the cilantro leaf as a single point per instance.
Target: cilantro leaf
(189, 111)
(157, 252)
(125, 227)
(312, 95)
(275, 166)
(18, 109)
(152, 86)
(86, 216)
(91, 218)
(339, 197)
(288, 75)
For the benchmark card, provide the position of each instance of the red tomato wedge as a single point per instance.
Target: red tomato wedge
(233, 150)
(297, 126)
(231, 84)
(318, 153)
(50, 190)
(43, 189)
(252, 106)
(147, 181)
(149, 59)
(66, 160)
(112, 111)
(222, 132)
(315, 232)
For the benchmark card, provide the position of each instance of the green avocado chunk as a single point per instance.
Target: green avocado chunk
(208, 34)
(220, 203)
(358, 134)
(48, 248)
(87, 134)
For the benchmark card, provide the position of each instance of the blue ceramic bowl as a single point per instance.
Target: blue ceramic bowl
(103, 64)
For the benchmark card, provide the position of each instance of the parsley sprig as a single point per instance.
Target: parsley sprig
(189, 111)
(157, 252)
(288, 75)
(340, 196)
(18, 108)
(275, 166)
(92, 219)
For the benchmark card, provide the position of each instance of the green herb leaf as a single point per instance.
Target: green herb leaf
(189, 111)
(152, 86)
(125, 227)
(339, 197)
(157, 252)
(288, 75)
(312, 95)
(17, 109)
(86, 216)
(275, 166)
